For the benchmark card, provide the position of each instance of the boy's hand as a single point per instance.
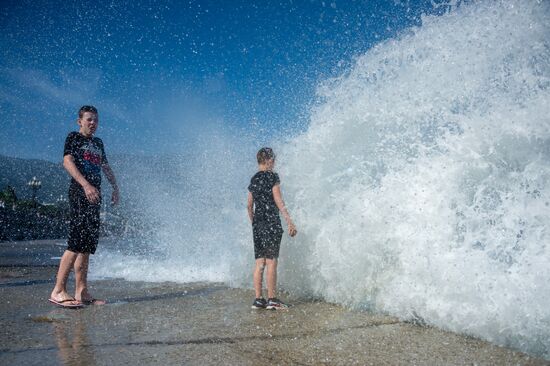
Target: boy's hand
(292, 230)
(115, 196)
(92, 194)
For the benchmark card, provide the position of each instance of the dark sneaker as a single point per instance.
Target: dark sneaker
(276, 304)
(259, 303)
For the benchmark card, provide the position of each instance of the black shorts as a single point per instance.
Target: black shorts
(267, 241)
(84, 223)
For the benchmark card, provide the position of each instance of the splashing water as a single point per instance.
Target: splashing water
(421, 187)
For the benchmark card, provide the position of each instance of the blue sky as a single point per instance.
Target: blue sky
(161, 73)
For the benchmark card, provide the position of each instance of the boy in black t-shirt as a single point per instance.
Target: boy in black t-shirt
(264, 204)
(83, 158)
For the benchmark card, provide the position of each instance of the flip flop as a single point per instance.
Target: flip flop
(95, 302)
(63, 304)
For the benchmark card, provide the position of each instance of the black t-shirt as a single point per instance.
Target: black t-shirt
(88, 155)
(265, 209)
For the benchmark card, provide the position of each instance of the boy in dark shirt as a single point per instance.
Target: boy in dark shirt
(83, 158)
(264, 204)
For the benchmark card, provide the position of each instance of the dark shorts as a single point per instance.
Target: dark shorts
(267, 241)
(84, 223)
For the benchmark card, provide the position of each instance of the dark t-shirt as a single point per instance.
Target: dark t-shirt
(265, 209)
(88, 155)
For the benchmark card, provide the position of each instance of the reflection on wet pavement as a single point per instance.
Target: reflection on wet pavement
(72, 343)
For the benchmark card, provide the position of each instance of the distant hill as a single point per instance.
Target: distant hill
(138, 176)
(18, 172)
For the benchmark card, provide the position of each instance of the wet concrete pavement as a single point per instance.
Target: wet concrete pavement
(209, 324)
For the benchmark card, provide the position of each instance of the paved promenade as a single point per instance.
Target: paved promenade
(205, 324)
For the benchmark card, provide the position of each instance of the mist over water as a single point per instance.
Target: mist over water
(420, 189)
(188, 209)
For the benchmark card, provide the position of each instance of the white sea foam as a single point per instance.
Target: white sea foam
(421, 187)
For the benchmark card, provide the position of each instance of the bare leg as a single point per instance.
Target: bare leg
(271, 277)
(59, 292)
(258, 276)
(81, 277)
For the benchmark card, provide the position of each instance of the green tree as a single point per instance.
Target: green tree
(8, 195)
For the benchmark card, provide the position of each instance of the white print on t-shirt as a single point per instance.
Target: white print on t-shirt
(91, 153)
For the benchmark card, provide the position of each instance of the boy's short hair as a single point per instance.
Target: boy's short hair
(86, 108)
(265, 154)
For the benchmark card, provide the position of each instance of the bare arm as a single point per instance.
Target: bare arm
(278, 198)
(91, 192)
(111, 178)
(250, 206)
